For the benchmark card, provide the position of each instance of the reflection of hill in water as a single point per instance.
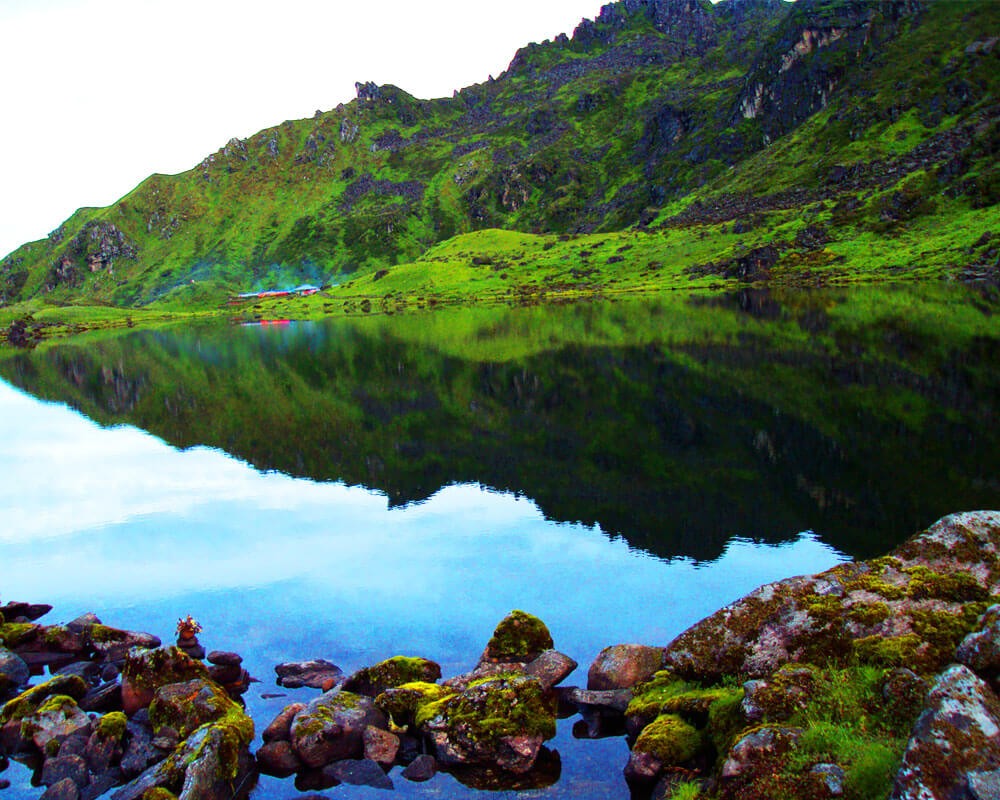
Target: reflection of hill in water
(674, 424)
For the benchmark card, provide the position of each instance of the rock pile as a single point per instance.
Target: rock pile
(119, 711)
(488, 726)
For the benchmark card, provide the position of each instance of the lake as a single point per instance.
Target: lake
(355, 489)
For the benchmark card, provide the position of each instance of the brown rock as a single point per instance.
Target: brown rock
(278, 758)
(623, 666)
(331, 727)
(380, 745)
(280, 728)
(958, 734)
(551, 668)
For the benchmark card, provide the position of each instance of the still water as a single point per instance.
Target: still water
(358, 489)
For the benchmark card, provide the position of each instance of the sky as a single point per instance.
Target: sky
(96, 95)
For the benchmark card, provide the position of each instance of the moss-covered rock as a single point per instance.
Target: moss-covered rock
(392, 672)
(15, 634)
(958, 734)
(184, 707)
(667, 694)
(146, 671)
(519, 638)
(668, 741)
(911, 608)
(331, 727)
(402, 703)
(32, 699)
(499, 721)
(58, 718)
(778, 697)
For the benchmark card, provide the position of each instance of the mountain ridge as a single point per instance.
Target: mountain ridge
(646, 114)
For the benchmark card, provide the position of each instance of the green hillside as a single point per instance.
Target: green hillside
(668, 143)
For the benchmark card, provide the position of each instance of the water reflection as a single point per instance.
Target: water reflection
(674, 423)
(119, 522)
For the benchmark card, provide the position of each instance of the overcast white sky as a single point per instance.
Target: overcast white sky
(95, 95)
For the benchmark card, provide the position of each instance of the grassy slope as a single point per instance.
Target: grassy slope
(452, 196)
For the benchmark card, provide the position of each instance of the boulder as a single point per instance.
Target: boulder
(184, 707)
(623, 666)
(14, 673)
(421, 769)
(63, 790)
(753, 764)
(331, 727)
(775, 699)
(104, 748)
(668, 741)
(402, 704)
(13, 611)
(980, 650)
(874, 611)
(113, 644)
(316, 674)
(146, 671)
(958, 734)
(62, 767)
(32, 699)
(392, 672)
(551, 668)
(519, 637)
(57, 719)
(280, 729)
(500, 722)
(278, 758)
(380, 746)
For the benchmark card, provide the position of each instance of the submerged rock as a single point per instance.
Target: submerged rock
(316, 674)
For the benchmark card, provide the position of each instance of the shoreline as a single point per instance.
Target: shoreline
(744, 685)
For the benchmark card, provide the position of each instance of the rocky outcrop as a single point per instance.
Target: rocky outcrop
(798, 75)
(956, 742)
(878, 610)
(489, 725)
(192, 742)
(883, 630)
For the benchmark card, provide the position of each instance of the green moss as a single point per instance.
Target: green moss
(31, 700)
(103, 634)
(665, 694)
(392, 672)
(112, 725)
(14, 633)
(958, 587)
(869, 613)
(889, 651)
(494, 709)
(671, 740)
(519, 637)
(159, 793)
(403, 703)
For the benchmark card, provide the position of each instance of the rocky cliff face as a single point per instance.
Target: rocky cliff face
(798, 72)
